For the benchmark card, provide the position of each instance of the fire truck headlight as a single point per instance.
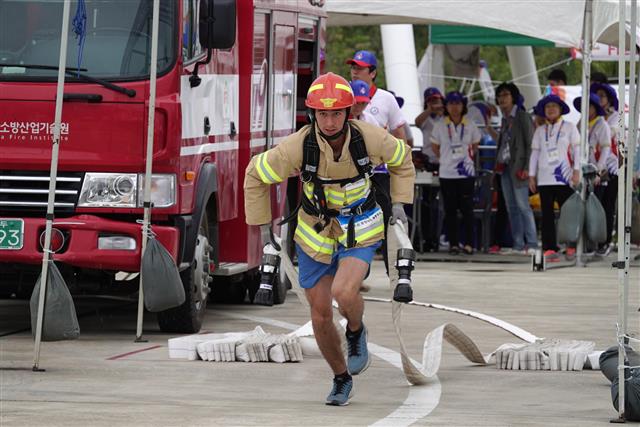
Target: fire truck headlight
(108, 190)
(163, 190)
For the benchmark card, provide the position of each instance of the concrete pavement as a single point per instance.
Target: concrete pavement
(104, 378)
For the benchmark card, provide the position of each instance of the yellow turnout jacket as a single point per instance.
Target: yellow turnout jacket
(278, 163)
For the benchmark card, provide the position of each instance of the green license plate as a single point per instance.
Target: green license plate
(11, 233)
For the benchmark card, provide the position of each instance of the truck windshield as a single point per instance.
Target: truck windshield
(116, 42)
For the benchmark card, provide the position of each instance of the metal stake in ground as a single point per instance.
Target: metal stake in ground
(52, 181)
(146, 224)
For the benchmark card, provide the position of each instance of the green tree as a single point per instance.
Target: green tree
(343, 42)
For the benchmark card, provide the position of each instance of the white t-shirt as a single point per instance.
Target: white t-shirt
(456, 150)
(427, 130)
(550, 153)
(599, 142)
(383, 107)
(612, 120)
(366, 117)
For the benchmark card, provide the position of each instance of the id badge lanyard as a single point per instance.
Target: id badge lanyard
(552, 152)
(456, 149)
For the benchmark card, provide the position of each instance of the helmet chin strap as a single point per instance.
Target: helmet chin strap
(337, 134)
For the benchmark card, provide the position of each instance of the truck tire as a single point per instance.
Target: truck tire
(188, 317)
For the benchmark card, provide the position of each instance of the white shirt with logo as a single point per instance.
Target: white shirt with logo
(456, 147)
(384, 108)
(555, 143)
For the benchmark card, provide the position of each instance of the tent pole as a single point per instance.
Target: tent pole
(584, 120)
(149, 159)
(64, 36)
(622, 283)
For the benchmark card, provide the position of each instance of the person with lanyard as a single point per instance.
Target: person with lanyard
(512, 165)
(426, 121)
(455, 141)
(554, 167)
(339, 223)
(361, 96)
(384, 108)
(601, 155)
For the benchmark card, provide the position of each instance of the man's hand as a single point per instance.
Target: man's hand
(398, 214)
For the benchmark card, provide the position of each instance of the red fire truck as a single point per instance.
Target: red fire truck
(215, 108)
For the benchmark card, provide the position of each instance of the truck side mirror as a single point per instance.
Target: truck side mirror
(217, 24)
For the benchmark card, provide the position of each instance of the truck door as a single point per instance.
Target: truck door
(283, 60)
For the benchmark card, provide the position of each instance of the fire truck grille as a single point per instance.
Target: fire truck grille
(29, 191)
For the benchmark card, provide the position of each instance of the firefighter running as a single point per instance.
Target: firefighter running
(340, 226)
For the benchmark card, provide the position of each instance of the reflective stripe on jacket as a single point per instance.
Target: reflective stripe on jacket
(280, 162)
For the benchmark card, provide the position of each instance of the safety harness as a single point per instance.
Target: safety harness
(317, 206)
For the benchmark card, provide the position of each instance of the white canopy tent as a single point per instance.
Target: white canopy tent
(559, 21)
(567, 23)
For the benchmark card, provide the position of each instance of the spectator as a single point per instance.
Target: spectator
(609, 102)
(557, 77)
(551, 168)
(556, 80)
(361, 97)
(601, 155)
(599, 77)
(455, 141)
(512, 164)
(426, 121)
(383, 107)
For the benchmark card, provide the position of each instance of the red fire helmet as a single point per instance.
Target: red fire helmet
(329, 92)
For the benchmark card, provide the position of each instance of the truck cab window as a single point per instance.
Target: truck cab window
(117, 42)
(191, 48)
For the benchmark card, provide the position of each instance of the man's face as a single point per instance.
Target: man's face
(362, 73)
(358, 108)
(553, 83)
(435, 104)
(505, 100)
(330, 122)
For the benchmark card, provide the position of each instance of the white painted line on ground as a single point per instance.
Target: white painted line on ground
(420, 402)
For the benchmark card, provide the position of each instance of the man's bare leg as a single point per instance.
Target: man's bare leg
(326, 334)
(346, 290)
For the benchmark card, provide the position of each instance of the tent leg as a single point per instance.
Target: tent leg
(52, 183)
(146, 225)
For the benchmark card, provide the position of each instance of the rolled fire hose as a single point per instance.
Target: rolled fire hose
(432, 349)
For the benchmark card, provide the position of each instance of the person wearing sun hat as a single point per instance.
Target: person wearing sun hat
(609, 102)
(554, 167)
(426, 121)
(455, 141)
(601, 154)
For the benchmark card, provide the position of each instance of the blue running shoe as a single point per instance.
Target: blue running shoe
(341, 392)
(358, 355)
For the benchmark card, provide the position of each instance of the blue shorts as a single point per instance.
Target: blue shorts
(311, 271)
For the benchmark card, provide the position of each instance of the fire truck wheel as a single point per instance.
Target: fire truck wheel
(188, 317)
